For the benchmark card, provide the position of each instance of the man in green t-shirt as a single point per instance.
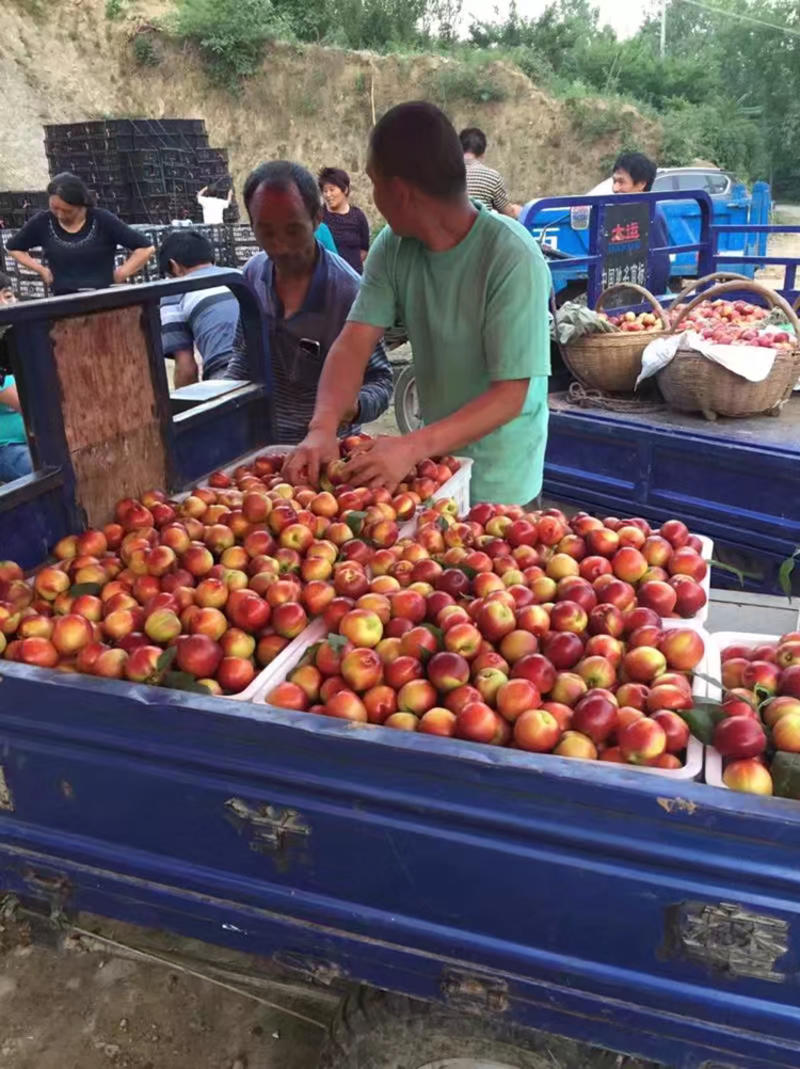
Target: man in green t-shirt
(472, 290)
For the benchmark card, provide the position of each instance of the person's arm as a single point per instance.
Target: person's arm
(363, 225)
(337, 396)
(376, 389)
(501, 202)
(230, 195)
(10, 397)
(387, 460)
(134, 240)
(135, 262)
(239, 366)
(201, 193)
(185, 367)
(31, 236)
(26, 260)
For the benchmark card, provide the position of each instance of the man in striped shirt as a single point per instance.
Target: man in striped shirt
(204, 320)
(483, 183)
(306, 293)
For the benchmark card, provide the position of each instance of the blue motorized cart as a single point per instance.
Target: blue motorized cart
(737, 480)
(471, 903)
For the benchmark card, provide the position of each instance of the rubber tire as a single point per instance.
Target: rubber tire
(402, 384)
(379, 1030)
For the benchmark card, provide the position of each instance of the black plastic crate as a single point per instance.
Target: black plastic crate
(211, 155)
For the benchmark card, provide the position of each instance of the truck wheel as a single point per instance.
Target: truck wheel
(406, 402)
(379, 1030)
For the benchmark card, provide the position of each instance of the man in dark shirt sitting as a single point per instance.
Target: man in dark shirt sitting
(635, 173)
(306, 294)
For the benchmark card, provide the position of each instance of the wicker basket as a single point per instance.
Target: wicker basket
(613, 362)
(692, 383)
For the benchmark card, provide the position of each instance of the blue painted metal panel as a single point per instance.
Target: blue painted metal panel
(569, 882)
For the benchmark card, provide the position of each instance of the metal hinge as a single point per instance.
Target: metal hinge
(474, 992)
(269, 826)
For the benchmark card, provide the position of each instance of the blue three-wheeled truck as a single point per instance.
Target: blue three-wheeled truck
(469, 903)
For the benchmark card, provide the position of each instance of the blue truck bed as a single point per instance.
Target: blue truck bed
(652, 916)
(736, 480)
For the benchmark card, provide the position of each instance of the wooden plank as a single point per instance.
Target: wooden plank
(109, 407)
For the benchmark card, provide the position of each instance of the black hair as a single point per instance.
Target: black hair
(219, 187)
(5, 282)
(283, 174)
(640, 167)
(186, 247)
(416, 141)
(473, 140)
(334, 176)
(71, 189)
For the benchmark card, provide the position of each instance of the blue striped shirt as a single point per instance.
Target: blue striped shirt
(204, 318)
(299, 345)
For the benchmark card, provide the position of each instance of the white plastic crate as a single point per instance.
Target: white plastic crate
(277, 672)
(719, 641)
(457, 486)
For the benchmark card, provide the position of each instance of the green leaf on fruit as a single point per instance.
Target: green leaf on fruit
(337, 642)
(468, 570)
(310, 654)
(437, 632)
(184, 681)
(785, 573)
(425, 655)
(786, 775)
(85, 588)
(164, 662)
(702, 718)
(763, 695)
(355, 521)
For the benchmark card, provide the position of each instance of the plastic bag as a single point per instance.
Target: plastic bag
(575, 320)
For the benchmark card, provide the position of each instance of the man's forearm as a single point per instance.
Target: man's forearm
(343, 374)
(501, 403)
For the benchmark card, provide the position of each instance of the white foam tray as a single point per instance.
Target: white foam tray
(283, 664)
(719, 641)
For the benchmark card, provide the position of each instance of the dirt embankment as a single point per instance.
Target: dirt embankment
(66, 61)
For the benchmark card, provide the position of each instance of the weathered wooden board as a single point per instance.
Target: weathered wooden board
(109, 406)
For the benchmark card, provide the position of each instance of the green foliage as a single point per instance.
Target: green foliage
(471, 82)
(115, 9)
(230, 34)
(144, 51)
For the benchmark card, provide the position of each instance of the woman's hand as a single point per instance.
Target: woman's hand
(46, 275)
(120, 275)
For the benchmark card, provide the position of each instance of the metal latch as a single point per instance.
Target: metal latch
(474, 992)
(269, 826)
(727, 938)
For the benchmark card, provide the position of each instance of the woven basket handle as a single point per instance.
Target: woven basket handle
(718, 276)
(774, 299)
(648, 296)
(796, 305)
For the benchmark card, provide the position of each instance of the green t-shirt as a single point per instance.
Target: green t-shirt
(12, 425)
(475, 314)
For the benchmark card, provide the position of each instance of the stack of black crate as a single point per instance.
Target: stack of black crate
(18, 205)
(147, 171)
